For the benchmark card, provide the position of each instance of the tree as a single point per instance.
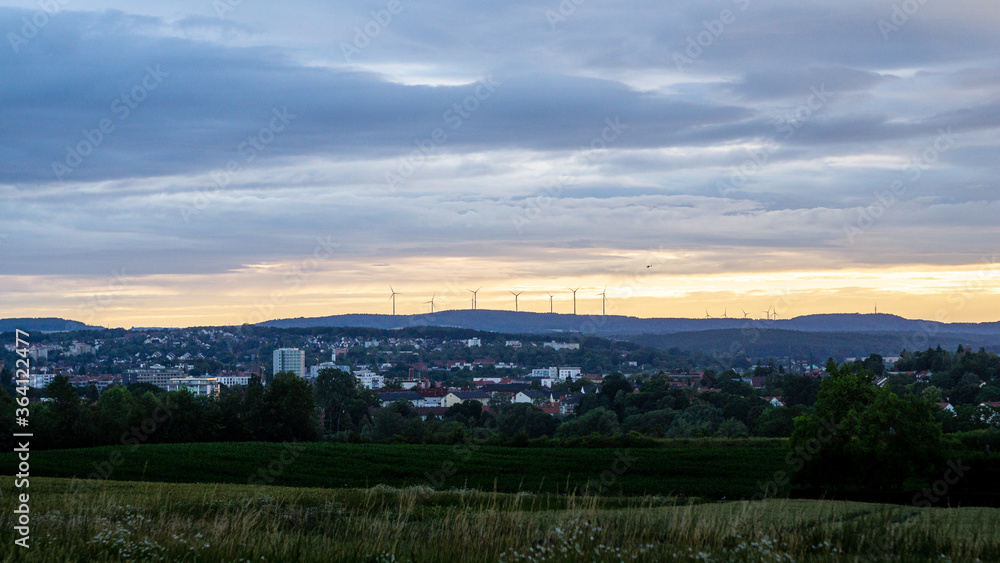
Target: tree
(652, 423)
(800, 390)
(875, 364)
(290, 409)
(467, 412)
(398, 419)
(860, 435)
(335, 389)
(91, 393)
(777, 422)
(66, 413)
(522, 417)
(233, 418)
(253, 413)
(698, 420)
(932, 394)
(114, 410)
(732, 428)
(600, 421)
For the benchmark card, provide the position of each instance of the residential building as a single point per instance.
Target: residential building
(947, 407)
(532, 396)
(156, 374)
(42, 352)
(78, 348)
(40, 380)
(101, 382)
(232, 378)
(410, 384)
(290, 359)
(503, 390)
(562, 345)
(198, 386)
(548, 373)
(556, 373)
(565, 373)
(432, 397)
(457, 397)
(473, 342)
(389, 397)
(369, 379)
(314, 370)
(569, 403)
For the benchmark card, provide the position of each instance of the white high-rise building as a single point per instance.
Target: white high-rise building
(290, 359)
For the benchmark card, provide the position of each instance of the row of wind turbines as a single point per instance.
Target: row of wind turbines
(771, 313)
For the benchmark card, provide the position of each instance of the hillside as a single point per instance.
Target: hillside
(616, 325)
(821, 345)
(49, 324)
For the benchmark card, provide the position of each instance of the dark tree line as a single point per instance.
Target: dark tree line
(285, 410)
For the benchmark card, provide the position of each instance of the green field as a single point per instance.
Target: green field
(74, 520)
(711, 470)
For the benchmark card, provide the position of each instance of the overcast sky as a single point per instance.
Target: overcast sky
(224, 161)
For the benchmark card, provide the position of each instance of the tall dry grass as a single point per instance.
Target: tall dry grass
(131, 521)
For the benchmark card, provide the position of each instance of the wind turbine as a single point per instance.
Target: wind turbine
(515, 299)
(744, 313)
(474, 297)
(431, 301)
(392, 297)
(604, 300)
(574, 297)
(550, 303)
(768, 313)
(724, 315)
(707, 316)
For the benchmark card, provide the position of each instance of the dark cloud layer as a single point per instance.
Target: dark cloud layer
(781, 127)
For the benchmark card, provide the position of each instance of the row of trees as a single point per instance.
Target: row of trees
(291, 408)
(284, 410)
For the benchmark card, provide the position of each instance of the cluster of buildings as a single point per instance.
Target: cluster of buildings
(167, 378)
(294, 360)
(41, 351)
(435, 400)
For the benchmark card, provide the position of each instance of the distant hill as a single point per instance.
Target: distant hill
(616, 325)
(822, 345)
(49, 324)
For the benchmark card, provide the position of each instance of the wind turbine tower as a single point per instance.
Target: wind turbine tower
(474, 295)
(550, 303)
(392, 297)
(574, 297)
(604, 300)
(515, 299)
(431, 302)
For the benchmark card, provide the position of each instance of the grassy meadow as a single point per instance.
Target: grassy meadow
(75, 520)
(425, 503)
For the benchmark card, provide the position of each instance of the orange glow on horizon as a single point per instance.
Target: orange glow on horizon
(954, 294)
